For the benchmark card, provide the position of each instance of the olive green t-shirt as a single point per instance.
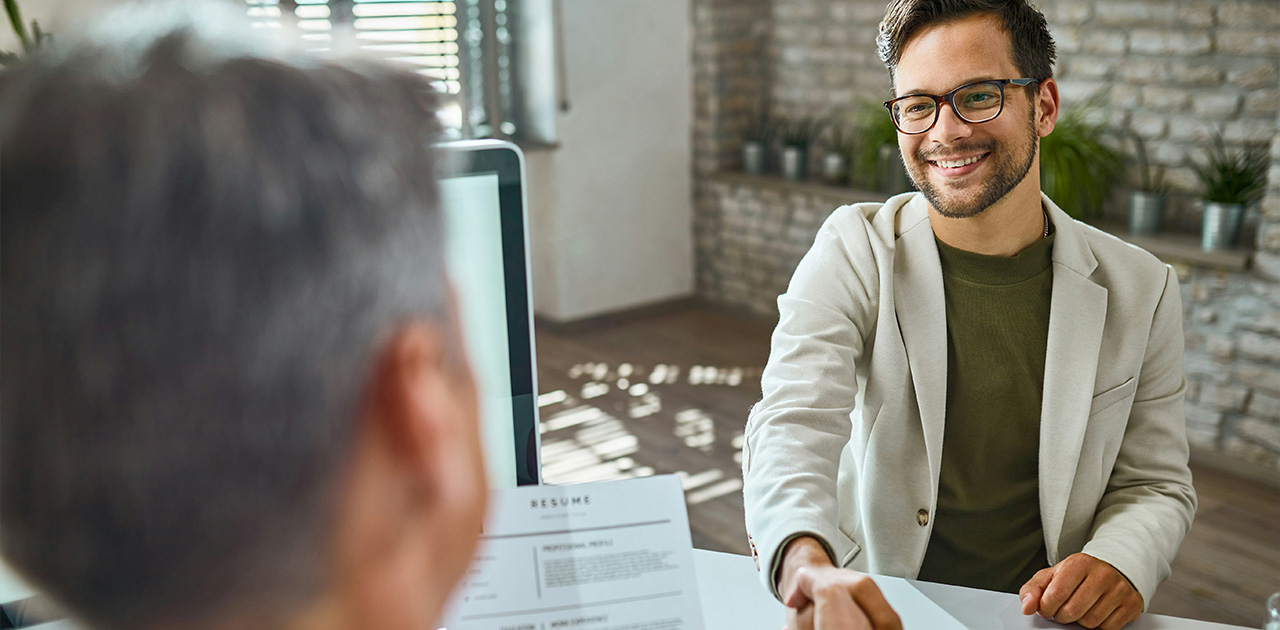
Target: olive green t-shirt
(987, 532)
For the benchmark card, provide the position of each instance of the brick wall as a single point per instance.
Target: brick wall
(1232, 326)
(1171, 71)
(760, 234)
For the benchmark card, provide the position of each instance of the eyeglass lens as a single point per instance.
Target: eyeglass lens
(975, 103)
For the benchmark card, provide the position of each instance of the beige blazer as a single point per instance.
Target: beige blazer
(847, 440)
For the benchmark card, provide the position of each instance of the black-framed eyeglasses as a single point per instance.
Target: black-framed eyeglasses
(976, 102)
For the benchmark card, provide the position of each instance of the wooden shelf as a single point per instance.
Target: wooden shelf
(1173, 248)
(1183, 249)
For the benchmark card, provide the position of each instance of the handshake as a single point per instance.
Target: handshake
(820, 596)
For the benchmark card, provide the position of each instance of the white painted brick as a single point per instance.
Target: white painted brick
(1267, 265)
(1261, 347)
(1226, 398)
(1073, 91)
(1169, 42)
(839, 12)
(1197, 14)
(1068, 40)
(1201, 416)
(1260, 431)
(1249, 43)
(1266, 323)
(1217, 105)
(1250, 14)
(1259, 377)
(1250, 452)
(1248, 130)
(1090, 68)
(1221, 347)
(1133, 13)
(1149, 126)
(1264, 406)
(1144, 71)
(1200, 367)
(1159, 98)
(1270, 206)
(1253, 74)
(1269, 236)
(1125, 95)
(1198, 73)
(1105, 42)
(868, 12)
(1074, 11)
(1262, 102)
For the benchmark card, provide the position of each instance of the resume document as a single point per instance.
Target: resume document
(612, 555)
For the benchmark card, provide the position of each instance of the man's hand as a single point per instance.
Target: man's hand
(820, 596)
(1082, 589)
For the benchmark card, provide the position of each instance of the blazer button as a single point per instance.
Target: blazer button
(922, 517)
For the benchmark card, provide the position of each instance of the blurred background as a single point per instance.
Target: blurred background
(681, 155)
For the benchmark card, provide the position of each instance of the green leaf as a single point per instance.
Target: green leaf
(1077, 170)
(15, 20)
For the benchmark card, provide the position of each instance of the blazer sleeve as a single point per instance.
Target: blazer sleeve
(795, 434)
(1149, 502)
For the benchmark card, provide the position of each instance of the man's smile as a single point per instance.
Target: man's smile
(959, 165)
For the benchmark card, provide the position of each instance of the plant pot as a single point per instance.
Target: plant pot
(793, 162)
(753, 157)
(1146, 211)
(834, 167)
(1221, 225)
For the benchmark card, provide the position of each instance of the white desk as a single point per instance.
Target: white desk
(734, 599)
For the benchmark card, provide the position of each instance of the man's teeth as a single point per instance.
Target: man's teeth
(957, 163)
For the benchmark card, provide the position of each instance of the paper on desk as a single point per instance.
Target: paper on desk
(916, 610)
(612, 555)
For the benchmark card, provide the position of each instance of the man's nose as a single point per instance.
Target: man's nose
(950, 126)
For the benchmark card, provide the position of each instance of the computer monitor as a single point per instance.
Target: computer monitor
(487, 256)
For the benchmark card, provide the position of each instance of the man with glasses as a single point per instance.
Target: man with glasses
(967, 386)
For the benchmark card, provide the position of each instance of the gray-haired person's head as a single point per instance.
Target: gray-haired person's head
(199, 248)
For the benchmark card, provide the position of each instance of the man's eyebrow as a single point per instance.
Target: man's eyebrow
(917, 91)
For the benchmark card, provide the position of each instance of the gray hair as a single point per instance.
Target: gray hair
(201, 249)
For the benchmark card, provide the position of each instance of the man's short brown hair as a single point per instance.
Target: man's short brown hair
(1032, 45)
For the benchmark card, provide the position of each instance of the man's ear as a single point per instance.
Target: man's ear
(417, 402)
(1047, 107)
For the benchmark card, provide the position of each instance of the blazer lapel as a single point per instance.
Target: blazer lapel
(1077, 312)
(922, 318)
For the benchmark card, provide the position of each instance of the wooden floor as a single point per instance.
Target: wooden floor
(669, 393)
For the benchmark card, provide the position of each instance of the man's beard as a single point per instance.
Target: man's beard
(1006, 174)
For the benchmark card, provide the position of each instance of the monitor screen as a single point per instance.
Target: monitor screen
(485, 255)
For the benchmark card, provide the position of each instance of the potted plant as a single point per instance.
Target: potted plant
(1147, 202)
(30, 42)
(1231, 181)
(1077, 170)
(755, 144)
(835, 164)
(878, 165)
(798, 135)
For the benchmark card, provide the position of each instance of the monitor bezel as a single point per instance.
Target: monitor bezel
(477, 157)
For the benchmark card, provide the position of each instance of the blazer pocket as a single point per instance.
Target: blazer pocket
(1113, 395)
(854, 549)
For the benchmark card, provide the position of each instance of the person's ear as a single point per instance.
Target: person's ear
(425, 406)
(1047, 107)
